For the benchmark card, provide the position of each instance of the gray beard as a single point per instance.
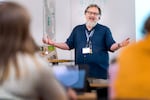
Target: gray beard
(91, 24)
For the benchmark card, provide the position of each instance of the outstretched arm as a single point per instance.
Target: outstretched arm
(48, 41)
(117, 46)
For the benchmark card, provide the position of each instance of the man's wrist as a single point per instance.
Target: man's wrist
(54, 44)
(119, 45)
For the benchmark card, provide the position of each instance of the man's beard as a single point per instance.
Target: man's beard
(91, 24)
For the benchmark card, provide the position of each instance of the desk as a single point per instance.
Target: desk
(56, 61)
(87, 96)
(96, 85)
(101, 89)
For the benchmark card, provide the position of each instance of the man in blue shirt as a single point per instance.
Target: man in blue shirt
(91, 42)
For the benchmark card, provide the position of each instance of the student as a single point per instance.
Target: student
(23, 74)
(132, 80)
(91, 42)
(112, 71)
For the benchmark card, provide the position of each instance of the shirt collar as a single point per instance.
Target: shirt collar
(91, 29)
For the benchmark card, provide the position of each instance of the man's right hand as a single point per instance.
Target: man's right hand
(46, 39)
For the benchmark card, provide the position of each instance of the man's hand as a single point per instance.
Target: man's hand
(117, 46)
(125, 42)
(46, 39)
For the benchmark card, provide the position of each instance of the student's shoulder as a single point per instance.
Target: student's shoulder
(42, 61)
(129, 50)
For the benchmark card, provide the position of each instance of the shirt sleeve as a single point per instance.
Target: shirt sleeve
(109, 39)
(71, 39)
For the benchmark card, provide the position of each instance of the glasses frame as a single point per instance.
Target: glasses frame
(94, 13)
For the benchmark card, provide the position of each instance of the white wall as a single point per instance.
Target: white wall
(35, 8)
(63, 26)
(119, 15)
(141, 15)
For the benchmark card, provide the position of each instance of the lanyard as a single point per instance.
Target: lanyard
(88, 38)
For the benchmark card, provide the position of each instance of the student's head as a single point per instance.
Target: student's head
(14, 28)
(147, 25)
(14, 32)
(92, 14)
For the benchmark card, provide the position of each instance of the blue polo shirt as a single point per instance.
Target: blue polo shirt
(101, 40)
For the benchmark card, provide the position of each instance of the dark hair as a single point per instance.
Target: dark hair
(93, 5)
(147, 25)
(14, 36)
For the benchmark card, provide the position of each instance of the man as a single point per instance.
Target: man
(91, 42)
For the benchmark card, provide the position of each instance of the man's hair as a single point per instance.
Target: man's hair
(93, 5)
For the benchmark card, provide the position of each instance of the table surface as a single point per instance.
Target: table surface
(97, 85)
(59, 60)
(87, 96)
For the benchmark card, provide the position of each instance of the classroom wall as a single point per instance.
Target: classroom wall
(63, 26)
(119, 15)
(35, 8)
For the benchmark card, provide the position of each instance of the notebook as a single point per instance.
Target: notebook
(72, 76)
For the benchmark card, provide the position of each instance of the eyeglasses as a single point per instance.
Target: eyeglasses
(94, 13)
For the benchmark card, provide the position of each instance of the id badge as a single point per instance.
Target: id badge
(86, 50)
